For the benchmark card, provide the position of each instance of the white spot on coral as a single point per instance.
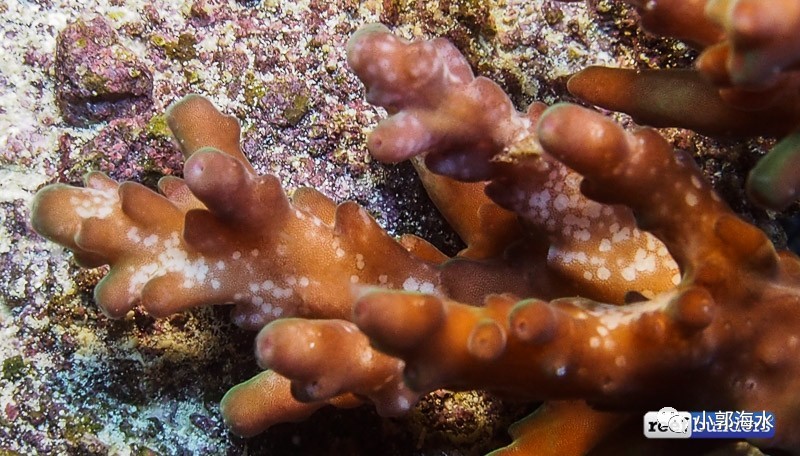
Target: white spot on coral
(603, 273)
(582, 235)
(622, 235)
(150, 241)
(629, 273)
(411, 284)
(236, 255)
(560, 203)
(281, 293)
(133, 235)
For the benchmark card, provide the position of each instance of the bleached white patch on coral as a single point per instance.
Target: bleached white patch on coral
(628, 273)
(612, 317)
(281, 293)
(133, 235)
(95, 203)
(150, 241)
(623, 234)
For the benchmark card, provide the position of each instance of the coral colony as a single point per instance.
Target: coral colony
(601, 268)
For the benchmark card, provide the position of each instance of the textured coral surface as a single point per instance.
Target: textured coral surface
(76, 382)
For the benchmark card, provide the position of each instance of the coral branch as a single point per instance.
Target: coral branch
(582, 426)
(670, 298)
(633, 356)
(469, 130)
(484, 226)
(660, 98)
(762, 38)
(197, 245)
(252, 407)
(327, 358)
(684, 19)
(746, 81)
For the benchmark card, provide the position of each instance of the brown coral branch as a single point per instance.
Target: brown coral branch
(252, 407)
(469, 130)
(485, 227)
(328, 358)
(584, 426)
(660, 98)
(752, 65)
(683, 19)
(196, 245)
(761, 38)
(725, 338)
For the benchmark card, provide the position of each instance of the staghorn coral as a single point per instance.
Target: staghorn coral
(558, 278)
(725, 338)
(745, 82)
(582, 349)
(178, 251)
